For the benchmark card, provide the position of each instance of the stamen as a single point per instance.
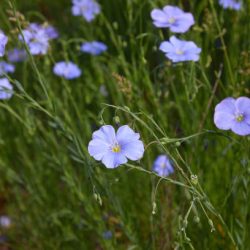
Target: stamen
(179, 52)
(116, 148)
(239, 118)
(171, 20)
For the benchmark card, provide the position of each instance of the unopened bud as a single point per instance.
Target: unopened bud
(194, 179)
(210, 222)
(197, 219)
(154, 208)
(116, 120)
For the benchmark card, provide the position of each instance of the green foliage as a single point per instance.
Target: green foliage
(59, 198)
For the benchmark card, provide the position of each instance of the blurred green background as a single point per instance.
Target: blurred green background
(59, 198)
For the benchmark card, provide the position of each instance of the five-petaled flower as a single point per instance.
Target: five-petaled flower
(5, 89)
(230, 4)
(37, 37)
(173, 18)
(233, 114)
(179, 50)
(88, 9)
(93, 48)
(115, 148)
(68, 70)
(162, 166)
(3, 42)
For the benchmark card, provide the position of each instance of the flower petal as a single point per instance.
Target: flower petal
(243, 105)
(133, 150)
(176, 42)
(98, 149)
(223, 120)
(241, 128)
(173, 10)
(158, 15)
(125, 135)
(226, 106)
(166, 47)
(106, 133)
(113, 160)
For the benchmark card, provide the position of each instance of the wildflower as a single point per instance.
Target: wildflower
(115, 148)
(162, 166)
(3, 42)
(68, 70)
(230, 4)
(173, 18)
(6, 68)
(233, 114)
(37, 37)
(86, 8)
(180, 50)
(94, 48)
(17, 55)
(5, 89)
(107, 235)
(5, 221)
(103, 90)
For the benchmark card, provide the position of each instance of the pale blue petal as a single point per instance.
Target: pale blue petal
(223, 120)
(113, 160)
(173, 10)
(226, 106)
(105, 133)
(243, 105)
(182, 24)
(98, 149)
(158, 15)
(76, 11)
(133, 150)
(241, 128)
(161, 24)
(5, 89)
(191, 57)
(177, 43)
(166, 47)
(125, 135)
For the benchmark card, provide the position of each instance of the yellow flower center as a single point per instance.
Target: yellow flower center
(171, 20)
(179, 52)
(239, 118)
(116, 148)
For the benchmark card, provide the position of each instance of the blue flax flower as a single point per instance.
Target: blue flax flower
(233, 114)
(179, 50)
(6, 68)
(37, 40)
(230, 4)
(3, 42)
(86, 8)
(68, 70)
(162, 166)
(17, 55)
(37, 37)
(115, 148)
(173, 18)
(93, 48)
(5, 89)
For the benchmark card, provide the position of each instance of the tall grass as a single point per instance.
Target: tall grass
(58, 197)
